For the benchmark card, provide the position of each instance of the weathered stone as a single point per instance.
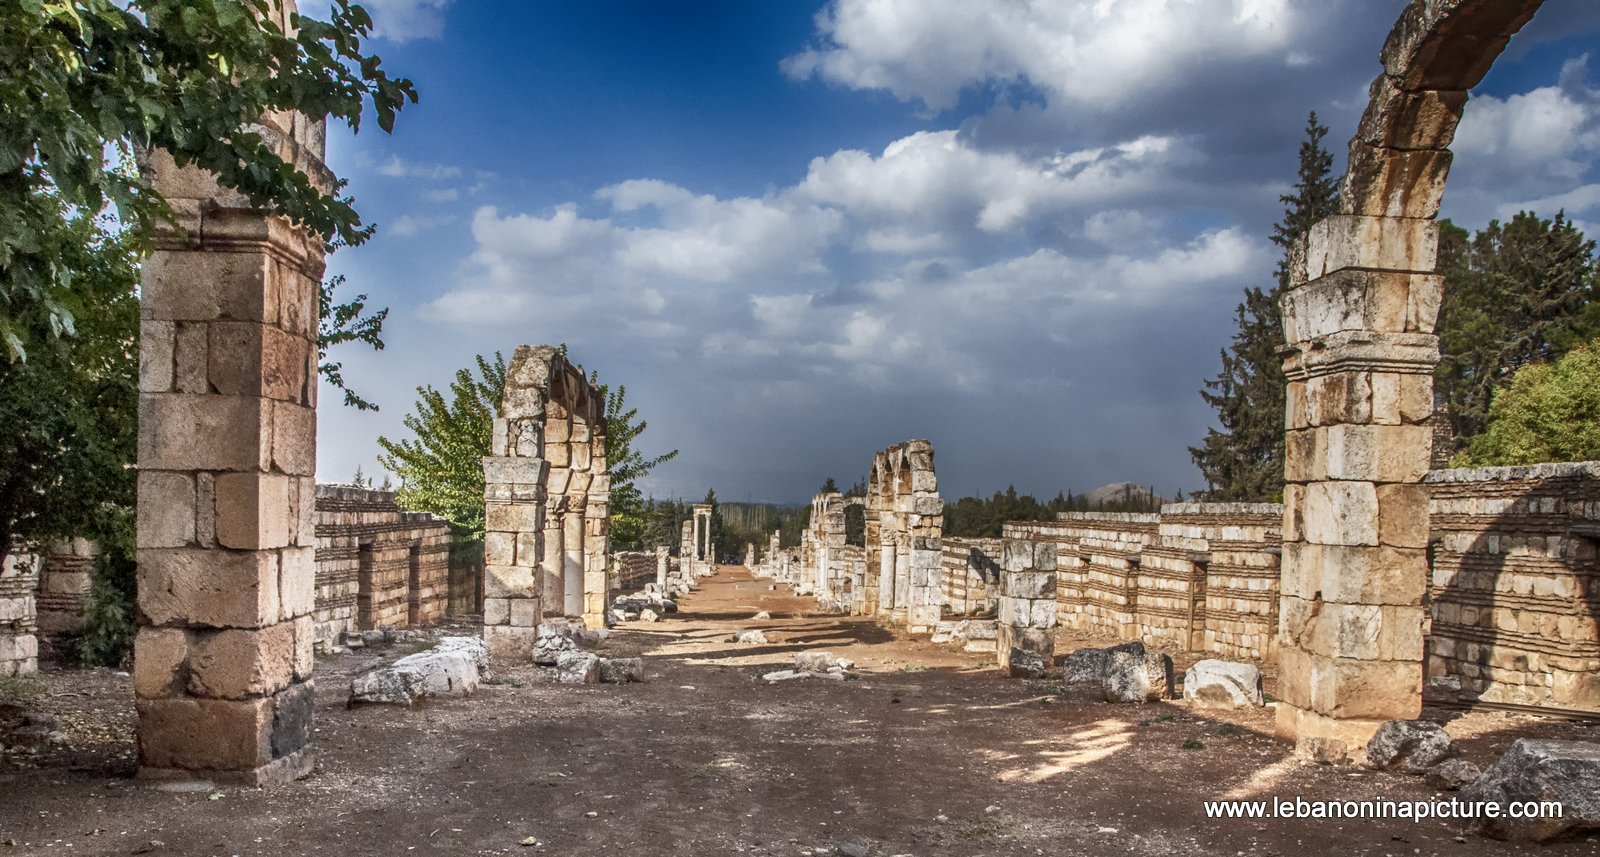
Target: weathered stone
(1408, 746)
(442, 673)
(621, 670)
(577, 668)
(1090, 664)
(386, 686)
(815, 662)
(473, 647)
(1222, 684)
(1021, 663)
(552, 640)
(750, 636)
(1452, 775)
(1134, 678)
(1541, 770)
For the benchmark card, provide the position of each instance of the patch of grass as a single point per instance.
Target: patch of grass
(1267, 697)
(1046, 688)
(987, 664)
(912, 668)
(1164, 718)
(21, 689)
(1192, 744)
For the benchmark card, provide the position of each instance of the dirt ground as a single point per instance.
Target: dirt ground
(930, 751)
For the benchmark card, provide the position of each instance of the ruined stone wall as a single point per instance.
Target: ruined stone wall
(1514, 595)
(376, 564)
(969, 571)
(1203, 576)
(634, 569)
(1098, 555)
(466, 580)
(64, 581)
(19, 642)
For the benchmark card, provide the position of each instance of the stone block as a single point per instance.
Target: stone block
(496, 611)
(1417, 119)
(294, 438)
(508, 581)
(166, 513)
(220, 589)
(1366, 690)
(514, 470)
(179, 432)
(1384, 243)
(255, 359)
(500, 548)
(1403, 514)
(157, 340)
(240, 664)
(297, 582)
(190, 286)
(512, 517)
(159, 656)
(253, 510)
(305, 647)
(1340, 513)
(293, 719)
(205, 734)
(1400, 183)
(525, 612)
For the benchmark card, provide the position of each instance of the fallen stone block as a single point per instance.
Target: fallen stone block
(1541, 770)
(1021, 663)
(577, 668)
(1137, 678)
(475, 648)
(621, 670)
(1090, 664)
(384, 686)
(1214, 683)
(761, 616)
(441, 673)
(1408, 746)
(1452, 775)
(783, 675)
(751, 636)
(815, 662)
(649, 615)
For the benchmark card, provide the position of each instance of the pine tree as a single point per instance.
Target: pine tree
(1514, 294)
(1244, 460)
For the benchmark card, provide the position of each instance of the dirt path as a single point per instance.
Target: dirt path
(929, 752)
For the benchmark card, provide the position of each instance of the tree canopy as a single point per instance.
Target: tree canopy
(1549, 412)
(81, 78)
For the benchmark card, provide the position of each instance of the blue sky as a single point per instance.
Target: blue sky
(802, 231)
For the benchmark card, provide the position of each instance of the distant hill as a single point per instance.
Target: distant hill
(1118, 492)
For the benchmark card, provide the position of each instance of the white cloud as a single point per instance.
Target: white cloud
(398, 167)
(412, 225)
(404, 20)
(1093, 53)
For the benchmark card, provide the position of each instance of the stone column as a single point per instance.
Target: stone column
(1027, 621)
(227, 462)
(596, 547)
(1360, 394)
(552, 565)
(572, 556)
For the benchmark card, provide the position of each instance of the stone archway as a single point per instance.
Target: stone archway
(1359, 320)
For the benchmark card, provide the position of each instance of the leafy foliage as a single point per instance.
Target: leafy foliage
(81, 77)
(343, 323)
(626, 466)
(1515, 293)
(441, 467)
(1550, 412)
(1243, 461)
(974, 517)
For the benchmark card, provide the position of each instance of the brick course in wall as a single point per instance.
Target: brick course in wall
(19, 643)
(970, 576)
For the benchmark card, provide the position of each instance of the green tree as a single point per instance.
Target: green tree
(1515, 293)
(1243, 461)
(1549, 412)
(626, 465)
(829, 486)
(79, 78)
(441, 466)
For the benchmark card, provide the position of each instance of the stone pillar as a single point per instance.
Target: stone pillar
(19, 639)
(572, 556)
(1027, 621)
(227, 461)
(596, 548)
(1355, 565)
(515, 475)
(552, 561)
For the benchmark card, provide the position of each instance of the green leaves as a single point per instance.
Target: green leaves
(77, 76)
(1550, 412)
